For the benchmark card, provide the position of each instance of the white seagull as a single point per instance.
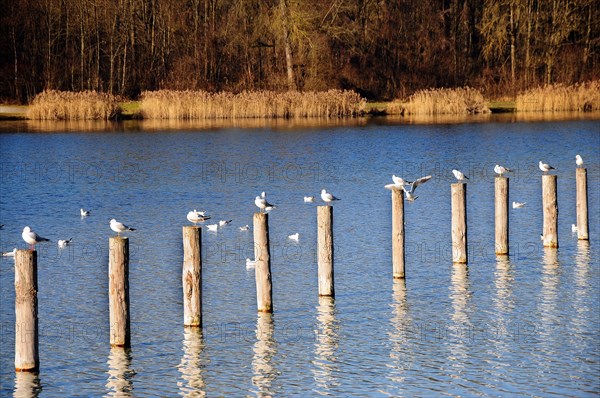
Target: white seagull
(262, 204)
(84, 213)
(250, 263)
(578, 160)
(410, 193)
(545, 167)
(327, 197)
(309, 199)
(518, 205)
(295, 236)
(119, 227)
(245, 228)
(573, 228)
(212, 227)
(501, 170)
(10, 254)
(459, 175)
(64, 242)
(222, 223)
(195, 216)
(32, 238)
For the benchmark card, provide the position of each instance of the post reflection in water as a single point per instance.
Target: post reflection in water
(192, 365)
(401, 353)
(265, 349)
(27, 384)
(327, 342)
(120, 375)
(583, 311)
(504, 281)
(582, 264)
(462, 328)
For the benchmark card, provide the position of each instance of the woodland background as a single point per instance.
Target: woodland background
(383, 49)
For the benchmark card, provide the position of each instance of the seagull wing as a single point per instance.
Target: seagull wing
(419, 182)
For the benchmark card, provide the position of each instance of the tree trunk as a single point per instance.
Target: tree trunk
(287, 45)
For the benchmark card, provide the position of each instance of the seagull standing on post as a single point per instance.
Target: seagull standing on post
(578, 160)
(501, 170)
(545, 167)
(119, 227)
(32, 238)
(327, 197)
(459, 175)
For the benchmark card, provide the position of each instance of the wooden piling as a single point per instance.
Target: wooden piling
(398, 233)
(26, 312)
(325, 250)
(262, 268)
(550, 206)
(118, 291)
(191, 276)
(501, 218)
(459, 223)
(582, 204)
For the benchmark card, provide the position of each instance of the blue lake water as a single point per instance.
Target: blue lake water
(526, 325)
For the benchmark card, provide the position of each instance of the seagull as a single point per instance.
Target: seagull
(195, 216)
(518, 205)
(261, 202)
(541, 237)
(295, 236)
(245, 228)
(578, 160)
(545, 167)
(269, 208)
(416, 183)
(222, 223)
(32, 238)
(119, 227)
(573, 228)
(212, 227)
(309, 199)
(409, 195)
(250, 263)
(10, 254)
(327, 197)
(1, 226)
(501, 170)
(459, 175)
(64, 242)
(84, 213)
(400, 181)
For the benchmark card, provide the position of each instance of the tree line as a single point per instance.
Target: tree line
(383, 49)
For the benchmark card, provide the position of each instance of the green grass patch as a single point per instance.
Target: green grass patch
(130, 108)
(502, 106)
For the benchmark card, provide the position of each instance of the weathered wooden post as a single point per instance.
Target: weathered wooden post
(459, 223)
(118, 291)
(191, 276)
(26, 312)
(325, 250)
(398, 233)
(550, 205)
(582, 204)
(501, 219)
(262, 268)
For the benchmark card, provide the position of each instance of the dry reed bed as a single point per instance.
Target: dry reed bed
(558, 97)
(168, 104)
(69, 105)
(441, 101)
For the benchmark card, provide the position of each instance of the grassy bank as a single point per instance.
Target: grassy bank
(441, 101)
(69, 105)
(167, 104)
(583, 97)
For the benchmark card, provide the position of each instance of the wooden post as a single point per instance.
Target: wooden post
(26, 312)
(118, 291)
(262, 269)
(191, 276)
(398, 233)
(582, 204)
(459, 223)
(550, 205)
(501, 219)
(325, 250)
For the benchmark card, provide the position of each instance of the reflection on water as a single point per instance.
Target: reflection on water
(460, 295)
(582, 265)
(265, 349)
(27, 385)
(192, 365)
(582, 312)
(400, 353)
(120, 375)
(491, 117)
(504, 281)
(326, 346)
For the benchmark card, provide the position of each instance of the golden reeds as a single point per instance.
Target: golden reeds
(168, 104)
(441, 101)
(558, 98)
(69, 105)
